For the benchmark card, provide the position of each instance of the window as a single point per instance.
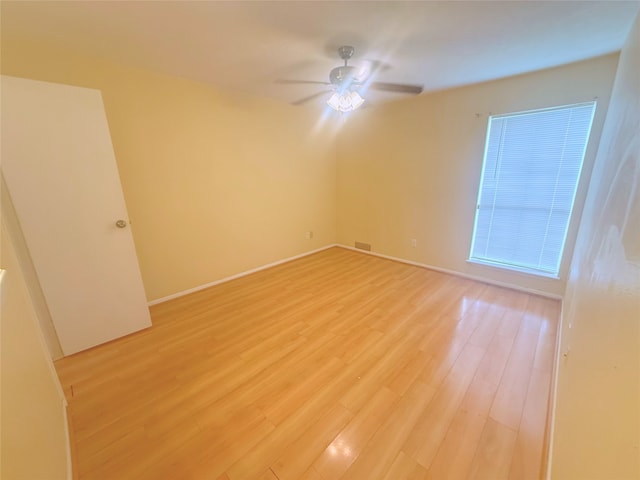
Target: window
(532, 164)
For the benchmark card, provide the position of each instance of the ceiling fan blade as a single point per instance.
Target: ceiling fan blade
(396, 87)
(367, 69)
(289, 82)
(309, 98)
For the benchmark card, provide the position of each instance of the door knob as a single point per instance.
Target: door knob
(121, 224)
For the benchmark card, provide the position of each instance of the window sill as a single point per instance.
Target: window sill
(513, 268)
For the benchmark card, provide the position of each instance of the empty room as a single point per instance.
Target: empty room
(329, 240)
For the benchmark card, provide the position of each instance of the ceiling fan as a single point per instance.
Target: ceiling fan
(348, 82)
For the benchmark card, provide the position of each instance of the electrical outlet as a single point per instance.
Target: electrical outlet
(309, 235)
(414, 243)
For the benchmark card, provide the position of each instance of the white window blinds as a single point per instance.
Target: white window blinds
(529, 179)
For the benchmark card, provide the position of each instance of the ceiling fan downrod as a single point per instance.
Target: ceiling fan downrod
(346, 52)
(342, 77)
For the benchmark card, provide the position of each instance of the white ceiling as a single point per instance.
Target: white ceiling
(246, 46)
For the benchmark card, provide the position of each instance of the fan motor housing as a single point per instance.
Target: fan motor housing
(346, 52)
(341, 75)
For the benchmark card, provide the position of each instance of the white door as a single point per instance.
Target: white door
(60, 170)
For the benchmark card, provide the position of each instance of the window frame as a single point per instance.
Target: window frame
(567, 233)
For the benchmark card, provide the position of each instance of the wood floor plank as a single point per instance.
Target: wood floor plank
(526, 462)
(311, 474)
(456, 452)
(494, 453)
(381, 451)
(430, 429)
(510, 397)
(405, 468)
(213, 450)
(378, 374)
(347, 445)
(296, 460)
(284, 434)
(268, 475)
(338, 365)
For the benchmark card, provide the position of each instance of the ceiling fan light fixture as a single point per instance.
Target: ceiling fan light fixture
(346, 101)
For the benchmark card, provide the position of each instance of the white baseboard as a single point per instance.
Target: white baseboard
(68, 438)
(457, 274)
(375, 254)
(554, 397)
(237, 275)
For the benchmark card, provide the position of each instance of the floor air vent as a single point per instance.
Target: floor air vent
(363, 246)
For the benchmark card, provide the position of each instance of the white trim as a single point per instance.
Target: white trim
(554, 396)
(514, 268)
(458, 274)
(237, 275)
(375, 254)
(68, 439)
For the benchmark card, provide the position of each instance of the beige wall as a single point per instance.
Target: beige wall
(410, 170)
(215, 183)
(597, 427)
(33, 429)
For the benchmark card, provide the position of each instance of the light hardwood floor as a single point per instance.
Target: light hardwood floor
(335, 366)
